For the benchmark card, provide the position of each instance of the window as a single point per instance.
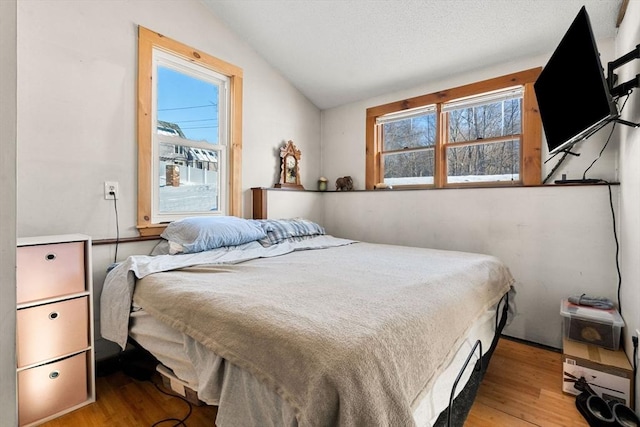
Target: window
(408, 140)
(190, 139)
(483, 134)
(189, 133)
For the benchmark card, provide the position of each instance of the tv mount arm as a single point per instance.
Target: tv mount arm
(626, 87)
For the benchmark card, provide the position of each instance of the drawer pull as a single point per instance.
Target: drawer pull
(50, 256)
(53, 315)
(53, 375)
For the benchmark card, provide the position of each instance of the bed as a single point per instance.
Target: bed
(280, 324)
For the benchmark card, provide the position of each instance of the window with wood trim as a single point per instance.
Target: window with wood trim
(483, 134)
(189, 133)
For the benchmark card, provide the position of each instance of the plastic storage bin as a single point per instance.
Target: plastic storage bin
(591, 325)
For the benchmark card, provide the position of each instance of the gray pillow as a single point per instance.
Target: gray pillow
(295, 229)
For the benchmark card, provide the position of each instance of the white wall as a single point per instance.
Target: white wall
(8, 71)
(627, 40)
(77, 63)
(296, 204)
(557, 241)
(77, 109)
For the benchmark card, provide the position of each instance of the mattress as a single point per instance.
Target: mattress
(273, 337)
(179, 353)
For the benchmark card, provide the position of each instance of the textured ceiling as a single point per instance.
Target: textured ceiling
(340, 51)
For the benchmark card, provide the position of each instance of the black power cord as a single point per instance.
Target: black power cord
(634, 340)
(565, 153)
(584, 174)
(615, 237)
(178, 421)
(613, 215)
(115, 207)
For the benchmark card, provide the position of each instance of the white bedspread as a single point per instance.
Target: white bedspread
(359, 330)
(117, 292)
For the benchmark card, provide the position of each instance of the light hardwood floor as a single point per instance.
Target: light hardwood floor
(522, 387)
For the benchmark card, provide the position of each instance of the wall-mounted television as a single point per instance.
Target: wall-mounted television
(572, 91)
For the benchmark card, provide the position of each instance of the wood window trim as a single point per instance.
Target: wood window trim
(147, 41)
(531, 126)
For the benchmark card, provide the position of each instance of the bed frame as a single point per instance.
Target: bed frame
(458, 410)
(141, 364)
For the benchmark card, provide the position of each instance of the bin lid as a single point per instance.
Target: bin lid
(611, 317)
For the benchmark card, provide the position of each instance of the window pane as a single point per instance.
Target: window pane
(411, 168)
(189, 179)
(413, 132)
(486, 121)
(484, 162)
(187, 106)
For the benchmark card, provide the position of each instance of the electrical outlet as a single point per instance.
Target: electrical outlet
(109, 187)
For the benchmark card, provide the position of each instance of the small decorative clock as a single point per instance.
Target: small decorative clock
(289, 167)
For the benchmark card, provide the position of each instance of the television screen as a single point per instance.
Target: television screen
(572, 92)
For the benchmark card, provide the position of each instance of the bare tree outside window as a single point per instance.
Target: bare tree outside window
(482, 134)
(482, 142)
(495, 160)
(409, 150)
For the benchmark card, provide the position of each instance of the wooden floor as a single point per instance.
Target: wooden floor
(522, 387)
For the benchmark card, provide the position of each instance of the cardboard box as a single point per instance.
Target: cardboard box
(607, 372)
(170, 381)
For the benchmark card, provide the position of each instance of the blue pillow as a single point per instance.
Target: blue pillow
(198, 234)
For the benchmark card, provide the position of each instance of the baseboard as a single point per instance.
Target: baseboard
(531, 343)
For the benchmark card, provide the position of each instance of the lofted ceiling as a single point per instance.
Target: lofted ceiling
(341, 51)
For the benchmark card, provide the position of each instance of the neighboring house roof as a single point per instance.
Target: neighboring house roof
(168, 128)
(200, 154)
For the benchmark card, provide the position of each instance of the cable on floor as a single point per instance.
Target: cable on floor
(178, 421)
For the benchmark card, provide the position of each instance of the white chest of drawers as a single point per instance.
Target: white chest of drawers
(54, 326)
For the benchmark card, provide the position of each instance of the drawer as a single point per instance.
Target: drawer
(47, 331)
(48, 389)
(45, 271)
